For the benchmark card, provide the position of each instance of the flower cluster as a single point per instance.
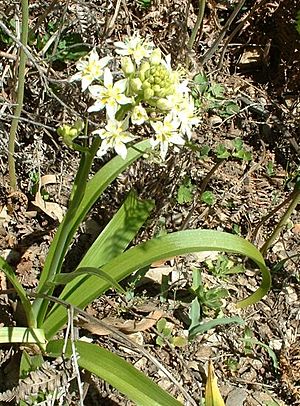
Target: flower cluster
(144, 91)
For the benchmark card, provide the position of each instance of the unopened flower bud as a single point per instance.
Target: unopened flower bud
(127, 65)
(136, 85)
(155, 57)
(69, 133)
(148, 93)
(156, 89)
(143, 69)
(163, 104)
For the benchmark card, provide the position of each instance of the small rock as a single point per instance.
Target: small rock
(236, 397)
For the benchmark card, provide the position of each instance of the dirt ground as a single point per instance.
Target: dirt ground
(256, 64)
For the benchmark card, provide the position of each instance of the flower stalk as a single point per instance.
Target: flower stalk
(20, 98)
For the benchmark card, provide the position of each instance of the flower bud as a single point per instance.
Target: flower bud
(156, 89)
(143, 69)
(69, 133)
(135, 85)
(163, 104)
(155, 57)
(146, 85)
(148, 93)
(127, 65)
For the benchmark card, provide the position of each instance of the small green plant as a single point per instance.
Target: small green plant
(166, 334)
(208, 198)
(70, 46)
(233, 150)
(211, 96)
(204, 301)
(270, 168)
(185, 191)
(223, 266)
(250, 343)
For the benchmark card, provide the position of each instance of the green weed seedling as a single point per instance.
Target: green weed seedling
(204, 301)
(208, 198)
(223, 266)
(166, 335)
(69, 48)
(250, 343)
(185, 191)
(210, 95)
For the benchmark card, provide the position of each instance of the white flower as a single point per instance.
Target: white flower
(134, 46)
(166, 132)
(90, 69)
(114, 135)
(186, 116)
(110, 95)
(138, 115)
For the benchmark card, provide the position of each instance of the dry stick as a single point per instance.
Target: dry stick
(203, 187)
(20, 98)
(237, 29)
(294, 203)
(215, 45)
(197, 25)
(44, 15)
(271, 214)
(38, 68)
(60, 29)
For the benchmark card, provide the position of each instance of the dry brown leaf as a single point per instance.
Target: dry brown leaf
(126, 327)
(53, 210)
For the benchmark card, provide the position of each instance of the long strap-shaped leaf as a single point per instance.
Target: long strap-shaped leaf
(179, 243)
(114, 370)
(113, 240)
(93, 190)
(10, 274)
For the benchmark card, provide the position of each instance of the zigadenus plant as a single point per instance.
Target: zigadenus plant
(148, 94)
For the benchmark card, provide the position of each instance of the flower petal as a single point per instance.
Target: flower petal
(121, 149)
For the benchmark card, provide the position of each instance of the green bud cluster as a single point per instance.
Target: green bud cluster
(69, 133)
(157, 81)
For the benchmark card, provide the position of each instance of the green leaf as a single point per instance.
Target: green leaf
(232, 108)
(185, 192)
(217, 90)
(222, 152)
(64, 278)
(208, 198)
(167, 246)
(117, 372)
(29, 363)
(115, 237)
(202, 82)
(272, 355)
(22, 335)
(203, 327)
(66, 231)
(9, 273)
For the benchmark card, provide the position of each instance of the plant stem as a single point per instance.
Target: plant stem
(217, 42)
(20, 98)
(197, 25)
(61, 246)
(294, 202)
